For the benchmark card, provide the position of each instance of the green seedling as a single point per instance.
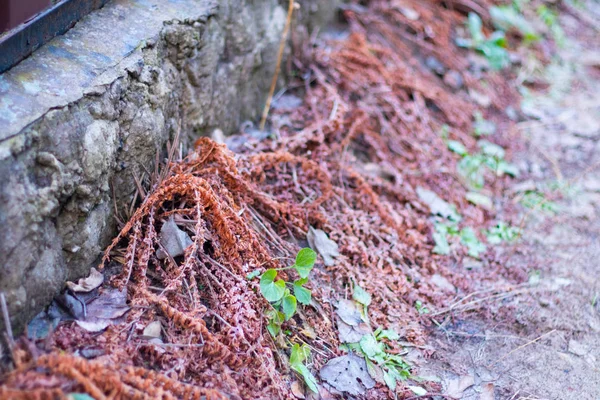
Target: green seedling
(550, 19)
(534, 199)
(472, 167)
(421, 309)
(298, 356)
(469, 239)
(492, 47)
(502, 232)
(375, 351)
(279, 292)
(482, 126)
(506, 18)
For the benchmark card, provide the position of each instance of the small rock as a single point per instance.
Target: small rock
(218, 136)
(480, 98)
(435, 65)
(453, 79)
(577, 348)
(442, 283)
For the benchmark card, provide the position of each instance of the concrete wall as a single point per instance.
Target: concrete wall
(89, 110)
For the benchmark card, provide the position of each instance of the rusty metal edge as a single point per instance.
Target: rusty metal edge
(18, 43)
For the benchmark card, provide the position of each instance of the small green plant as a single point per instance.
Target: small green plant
(375, 351)
(534, 199)
(550, 19)
(298, 356)
(395, 369)
(492, 47)
(509, 17)
(467, 235)
(421, 309)
(502, 232)
(469, 239)
(472, 167)
(278, 293)
(482, 126)
(440, 236)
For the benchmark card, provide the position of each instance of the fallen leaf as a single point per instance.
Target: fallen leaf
(110, 304)
(487, 392)
(352, 334)
(87, 284)
(152, 330)
(348, 374)
(173, 240)
(443, 283)
(457, 386)
(349, 312)
(577, 348)
(94, 326)
(297, 390)
(437, 206)
(418, 390)
(104, 310)
(320, 242)
(480, 200)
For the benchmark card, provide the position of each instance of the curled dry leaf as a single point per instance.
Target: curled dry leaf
(297, 390)
(173, 240)
(348, 374)
(104, 310)
(437, 206)
(349, 312)
(87, 284)
(457, 386)
(352, 334)
(152, 330)
(320, 242)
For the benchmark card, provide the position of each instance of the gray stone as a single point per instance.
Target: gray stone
(90, 110)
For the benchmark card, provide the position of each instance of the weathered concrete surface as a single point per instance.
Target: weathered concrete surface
(90, 110)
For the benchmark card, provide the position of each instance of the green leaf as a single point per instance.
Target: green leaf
(303, 295)
(441, 240)
(305, 260)
(508, 169)
(506, 17)
(370, 346)
(273, 291)
(273, 328)
(457, 147)
(418, 390)
(474, 24)
(361, 295)
(390, 380)
(308, 377)
(491, 149)
(276, 318)
(299, 353)
(388, 334)
(483, 127)
(289, 306)
(479, 200)
(253, 274)
(469, 239)
(79, 396)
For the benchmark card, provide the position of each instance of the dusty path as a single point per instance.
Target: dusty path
(549, 348)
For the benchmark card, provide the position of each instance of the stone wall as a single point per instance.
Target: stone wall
(90, 110)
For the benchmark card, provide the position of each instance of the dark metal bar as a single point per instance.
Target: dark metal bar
(26, 38)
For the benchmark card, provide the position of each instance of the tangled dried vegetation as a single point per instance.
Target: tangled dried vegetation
(347, 161)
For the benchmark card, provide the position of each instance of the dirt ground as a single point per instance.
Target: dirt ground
(548, 348)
